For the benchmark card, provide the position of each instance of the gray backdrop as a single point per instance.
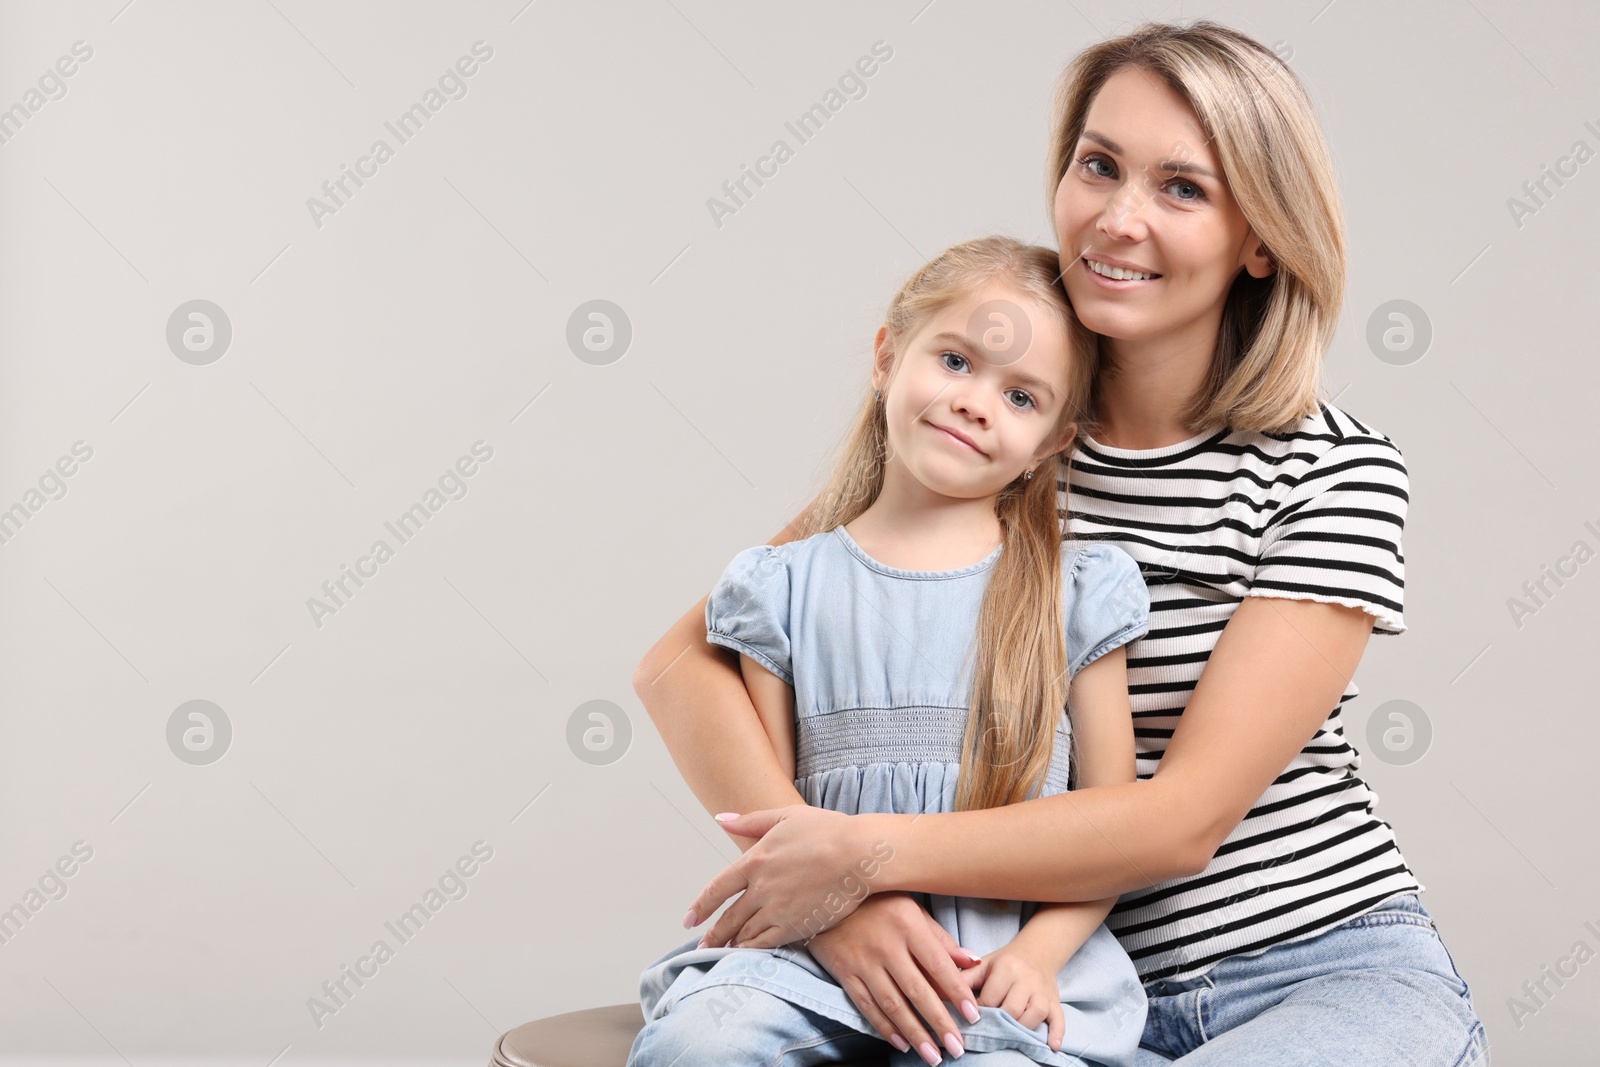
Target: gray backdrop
(223, 384)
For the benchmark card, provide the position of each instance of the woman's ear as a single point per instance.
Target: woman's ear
(1257, 260)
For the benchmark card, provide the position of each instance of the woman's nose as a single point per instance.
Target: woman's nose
(1121, 215)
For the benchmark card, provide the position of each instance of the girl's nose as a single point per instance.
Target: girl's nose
(970, 403)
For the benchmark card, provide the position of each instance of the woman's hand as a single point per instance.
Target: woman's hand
(1024, 987)
(809, 869)
(896, 962)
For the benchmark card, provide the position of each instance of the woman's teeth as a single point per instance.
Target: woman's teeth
(1117, 273)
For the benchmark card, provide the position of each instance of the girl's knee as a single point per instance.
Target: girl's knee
(730, 1024)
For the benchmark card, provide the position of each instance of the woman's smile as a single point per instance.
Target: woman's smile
(1113, 274)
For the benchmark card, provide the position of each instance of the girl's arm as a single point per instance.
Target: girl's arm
(774, 701)
(1102, 726)
(695, 695)
(1276, 673)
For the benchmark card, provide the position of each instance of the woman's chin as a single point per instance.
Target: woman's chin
(1112, 318)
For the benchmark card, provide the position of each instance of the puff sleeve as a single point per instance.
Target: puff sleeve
(1336, 536)
(1104, 603)
(748, 609)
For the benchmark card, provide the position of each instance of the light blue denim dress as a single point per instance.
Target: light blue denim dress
(879, 660)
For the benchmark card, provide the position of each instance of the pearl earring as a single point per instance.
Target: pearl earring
(876, 395)
(1027, 476)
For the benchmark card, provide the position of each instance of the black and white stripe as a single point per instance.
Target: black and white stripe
(1315, 514)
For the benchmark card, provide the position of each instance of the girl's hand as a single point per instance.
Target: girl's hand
(810, 869)
(896, 962)
(1023, 986)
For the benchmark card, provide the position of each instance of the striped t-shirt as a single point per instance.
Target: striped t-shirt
(1311, 514)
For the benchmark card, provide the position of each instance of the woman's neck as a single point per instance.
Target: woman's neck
(1142, 406)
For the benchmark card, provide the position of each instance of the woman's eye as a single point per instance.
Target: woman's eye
(952, 355)
(1198, 193)
(1089, 162)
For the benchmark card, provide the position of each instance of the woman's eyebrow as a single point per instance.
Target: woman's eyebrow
(1166, 166)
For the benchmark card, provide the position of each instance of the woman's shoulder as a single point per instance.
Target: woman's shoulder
(1329, 429)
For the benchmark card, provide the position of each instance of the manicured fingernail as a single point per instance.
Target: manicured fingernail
(701, 943)
(970, 1010)
(726, 816)
(930, 1053)
(899, 1042)
(953, 1043)
(690, 919)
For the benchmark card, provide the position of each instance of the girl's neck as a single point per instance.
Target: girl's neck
(913, 528)
(1142, 406)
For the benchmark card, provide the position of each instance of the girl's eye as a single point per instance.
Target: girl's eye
(1027, 398)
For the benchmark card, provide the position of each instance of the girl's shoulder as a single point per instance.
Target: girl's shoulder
(1104, 600)
(1094, 561)
(1100, 573)
(794, 555)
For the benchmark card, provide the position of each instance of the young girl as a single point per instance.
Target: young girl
(912, 652)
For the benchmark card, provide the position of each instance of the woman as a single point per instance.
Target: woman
(1267, 908)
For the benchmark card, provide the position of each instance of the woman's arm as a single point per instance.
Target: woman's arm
(1102, 730)
(1276, 673)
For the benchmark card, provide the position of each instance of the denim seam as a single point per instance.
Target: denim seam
(1391, 918)
(1136, 627)
(760, 655)
(1477, 1047)
(824, 1039)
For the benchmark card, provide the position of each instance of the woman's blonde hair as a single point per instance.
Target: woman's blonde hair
(1019, 652)
(1258, 119)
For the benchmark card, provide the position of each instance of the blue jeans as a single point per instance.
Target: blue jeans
(1380, 988)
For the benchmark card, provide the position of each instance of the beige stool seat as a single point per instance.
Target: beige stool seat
(593, 1037)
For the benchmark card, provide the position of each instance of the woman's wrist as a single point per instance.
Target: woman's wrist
(887, 840)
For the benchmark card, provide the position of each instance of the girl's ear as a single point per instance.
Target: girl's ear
(1060, 445)
(882, 357)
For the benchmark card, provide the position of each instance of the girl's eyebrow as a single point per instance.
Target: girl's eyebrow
(1026, 379)
(1166, 166)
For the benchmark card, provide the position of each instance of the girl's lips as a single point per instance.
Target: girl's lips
(952, 437)
(1115, 283)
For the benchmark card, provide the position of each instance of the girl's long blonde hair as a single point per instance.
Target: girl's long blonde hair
(1257, 117)
(1019, 674)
